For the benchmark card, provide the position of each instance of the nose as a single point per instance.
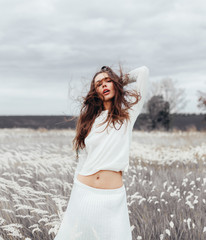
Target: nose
(104, 84)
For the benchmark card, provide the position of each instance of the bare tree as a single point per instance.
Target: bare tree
(170, 93)
(201, 100)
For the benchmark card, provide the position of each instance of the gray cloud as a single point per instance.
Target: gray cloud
(46, 44)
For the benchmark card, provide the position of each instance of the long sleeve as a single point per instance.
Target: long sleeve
(140, 77)
(81, 160)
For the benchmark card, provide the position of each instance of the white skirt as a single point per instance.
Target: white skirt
(95, 213)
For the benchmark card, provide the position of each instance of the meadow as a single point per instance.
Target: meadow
(166, 183)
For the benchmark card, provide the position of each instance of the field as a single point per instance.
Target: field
(166, 183)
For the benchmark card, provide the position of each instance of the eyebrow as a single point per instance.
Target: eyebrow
(102, 79)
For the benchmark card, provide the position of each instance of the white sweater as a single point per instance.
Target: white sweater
(109, 150)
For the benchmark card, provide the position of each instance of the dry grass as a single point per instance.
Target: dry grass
(166, 183)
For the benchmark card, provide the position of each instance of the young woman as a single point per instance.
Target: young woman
(97, 207)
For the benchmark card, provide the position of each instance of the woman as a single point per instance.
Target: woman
(97, 207)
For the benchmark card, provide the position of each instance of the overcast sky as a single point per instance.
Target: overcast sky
(47, 47)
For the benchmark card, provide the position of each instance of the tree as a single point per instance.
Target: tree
(170, 93)
(201, 100)
(158, 112)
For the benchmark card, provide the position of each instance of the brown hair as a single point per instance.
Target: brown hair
(93, 106)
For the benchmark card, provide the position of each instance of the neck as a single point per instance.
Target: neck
(107, 105)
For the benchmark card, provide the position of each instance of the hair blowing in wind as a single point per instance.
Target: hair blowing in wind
(93, 105)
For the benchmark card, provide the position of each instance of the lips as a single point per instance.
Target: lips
(106, 91)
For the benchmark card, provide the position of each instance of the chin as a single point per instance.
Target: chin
(107, 98)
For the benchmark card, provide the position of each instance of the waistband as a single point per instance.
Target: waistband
(100, 190)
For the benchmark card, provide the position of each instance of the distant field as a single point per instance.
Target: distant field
(166, 183)
(183, 122)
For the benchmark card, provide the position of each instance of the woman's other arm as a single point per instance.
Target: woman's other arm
(80, 162)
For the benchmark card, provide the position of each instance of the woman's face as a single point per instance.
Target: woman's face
(102, 83)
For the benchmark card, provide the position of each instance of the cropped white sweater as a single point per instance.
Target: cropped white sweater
(109, 150)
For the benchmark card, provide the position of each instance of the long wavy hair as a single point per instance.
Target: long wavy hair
(93, 106)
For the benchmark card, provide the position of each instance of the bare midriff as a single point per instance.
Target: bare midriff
(105, 179)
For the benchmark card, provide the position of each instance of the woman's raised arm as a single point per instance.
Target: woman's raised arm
(140, 77)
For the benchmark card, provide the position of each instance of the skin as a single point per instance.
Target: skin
(105, 179)
(102, 81)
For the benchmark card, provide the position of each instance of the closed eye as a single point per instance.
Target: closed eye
(99, 84)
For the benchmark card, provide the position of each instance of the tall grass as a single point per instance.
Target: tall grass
(166, 183)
